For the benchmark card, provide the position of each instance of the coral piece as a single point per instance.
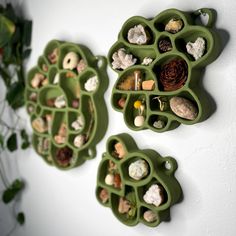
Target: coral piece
(122, 60)
(183, 108)
(174, 74)
(138, 35)
(197, 48)
(138, 169)
(147, 61)
(91, 84)
(174, 26)
(154, 195)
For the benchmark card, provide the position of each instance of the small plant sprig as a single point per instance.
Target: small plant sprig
(15, 38)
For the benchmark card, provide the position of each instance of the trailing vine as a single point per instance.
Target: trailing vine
(15, 38)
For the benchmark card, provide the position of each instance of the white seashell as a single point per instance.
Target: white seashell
(137, 35)
(56, 78)
(91, 84)
(139, 121)
(197, 48)
(60, 102)
(109, 180)
(70, 61)
(79, 140)
(122, 60)
(154, 195)
(78, 124)
(183, 108)
(138, 169)
(147, 61)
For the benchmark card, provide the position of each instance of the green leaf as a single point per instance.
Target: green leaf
(25, 144)
(12, 142)
(26, 53)
(7, 29)
(1, 141)
(5, 76)
(17, 185)
(27, 30)
(15, 95)
(8, 195)
(20, 218)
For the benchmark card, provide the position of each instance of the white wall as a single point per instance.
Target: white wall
(63, 203)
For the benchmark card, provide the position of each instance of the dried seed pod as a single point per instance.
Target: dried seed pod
(164, 45)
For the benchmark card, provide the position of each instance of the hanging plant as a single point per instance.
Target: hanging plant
(15, 38)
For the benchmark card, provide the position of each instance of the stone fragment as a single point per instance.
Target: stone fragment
(154, 195)
(138, 169)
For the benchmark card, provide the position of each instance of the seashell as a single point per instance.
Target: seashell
(139, 121)
(109, 179)
(104, 195)
(122, 60)
(91, 84)
(56, 78)
(81, 66)
(53, 56)
(37, 80)
(79, 140)
(197, 48)
(183, 108)
(148, 85)
(154, 195)
(120, 150)
(138, 169)
(147, 61)
(159, 124)
(174, 26)
(60, 102)
(78, 124)
(70, 61)
(39, 125)
(137, 35)
(150, 216)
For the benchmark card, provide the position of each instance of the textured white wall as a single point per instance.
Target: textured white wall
(63, 203)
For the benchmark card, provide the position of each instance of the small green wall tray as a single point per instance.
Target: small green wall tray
(160, 171)
(60, 73)
(123, 99)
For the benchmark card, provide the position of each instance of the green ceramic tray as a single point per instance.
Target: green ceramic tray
(65, 69)
(160, 171)
(159, 110)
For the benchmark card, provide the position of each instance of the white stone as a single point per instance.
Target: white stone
(109, 179)
(139, 121)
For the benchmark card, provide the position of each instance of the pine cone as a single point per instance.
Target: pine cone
(174, 74)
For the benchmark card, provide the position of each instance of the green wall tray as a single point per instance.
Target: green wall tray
(115, 184)
(173, 71)
(64, 98)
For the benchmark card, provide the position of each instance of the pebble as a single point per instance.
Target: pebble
(109, 179)
(150, 216)
(154, 195)
(138, 169)
(183, 108)
(139, 121)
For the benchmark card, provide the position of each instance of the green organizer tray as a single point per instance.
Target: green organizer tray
(67, 129)
(156, 100)
(160, 171)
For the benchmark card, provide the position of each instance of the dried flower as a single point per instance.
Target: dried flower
(174, 74)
